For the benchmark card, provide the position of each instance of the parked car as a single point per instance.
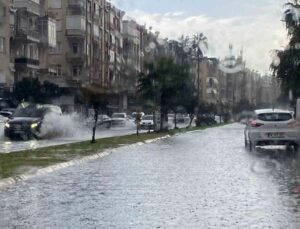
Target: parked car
(171, 118)
(118, 119)
(272, 127)
(147, 122)
(105, 121)
(27, 120)
(180, 118)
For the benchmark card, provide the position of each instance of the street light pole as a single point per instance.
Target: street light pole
(198, 77)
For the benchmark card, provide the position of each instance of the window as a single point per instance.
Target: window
(54, 4)
(76, 22)
(75, 48)
(31, 24)
(57, 49)
(76, 70)
(2, 44)
(58, 25)
(275, 117)
(55, 70)
(97, 9)
(96, 30)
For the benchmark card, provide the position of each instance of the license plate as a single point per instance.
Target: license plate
(275, 135)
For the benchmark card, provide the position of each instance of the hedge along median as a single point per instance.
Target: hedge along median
(13, 165)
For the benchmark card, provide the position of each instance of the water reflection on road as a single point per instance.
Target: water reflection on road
(198, 180)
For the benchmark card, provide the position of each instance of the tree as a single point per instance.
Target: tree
(97, 99)
(189, 99)
(286, 66)
(160, 85)
(32, 90)
(183, 49)
(199, 43)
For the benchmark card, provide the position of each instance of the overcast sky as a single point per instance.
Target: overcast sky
(253, 24)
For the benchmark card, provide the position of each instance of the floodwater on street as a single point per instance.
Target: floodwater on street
(203, 179)
(71, 132)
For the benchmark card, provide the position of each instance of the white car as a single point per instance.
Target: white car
(272, 127)
(118, 119)
(147, 122)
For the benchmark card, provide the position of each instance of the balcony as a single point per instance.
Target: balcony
(76, 26)
(75, 57)
(76, 10)
(32, 6)
(26, 61)
(77, 33)
(29, 35)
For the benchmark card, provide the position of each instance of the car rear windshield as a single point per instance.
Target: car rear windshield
(118, 116)
(148, 117)
(275, 117)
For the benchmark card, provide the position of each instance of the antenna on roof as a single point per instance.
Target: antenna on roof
(273, 107)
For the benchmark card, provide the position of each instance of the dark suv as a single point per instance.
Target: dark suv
(27, 119)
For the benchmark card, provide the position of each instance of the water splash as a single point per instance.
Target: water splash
(66, 125)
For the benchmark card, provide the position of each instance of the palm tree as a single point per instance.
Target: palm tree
(184, 49)
(286, 68)
(199, 43)
(161, 84)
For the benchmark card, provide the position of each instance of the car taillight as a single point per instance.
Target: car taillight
(255, 124)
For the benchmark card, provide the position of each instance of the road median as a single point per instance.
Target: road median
(24, 164)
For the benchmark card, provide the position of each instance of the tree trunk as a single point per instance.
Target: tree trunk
(175, 121)
(164, 119)
(137, 129)
(191, 119)
(95, 126)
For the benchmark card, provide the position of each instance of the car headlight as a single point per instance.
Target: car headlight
(7, 125)
(34, 125)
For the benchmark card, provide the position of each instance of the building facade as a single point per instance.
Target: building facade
(34, 33)
(6, 56)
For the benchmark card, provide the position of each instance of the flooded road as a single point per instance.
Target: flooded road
(202, 179)
(71, 135)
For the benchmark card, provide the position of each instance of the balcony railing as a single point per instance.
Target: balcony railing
(76, 10)
(27, 34)
(81, 3)
(26, 61)
(76, 33)
(76, 56)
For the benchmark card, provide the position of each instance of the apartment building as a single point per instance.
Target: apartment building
(89, 46)
(133, 54)
(6, 58)
(34, 34)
